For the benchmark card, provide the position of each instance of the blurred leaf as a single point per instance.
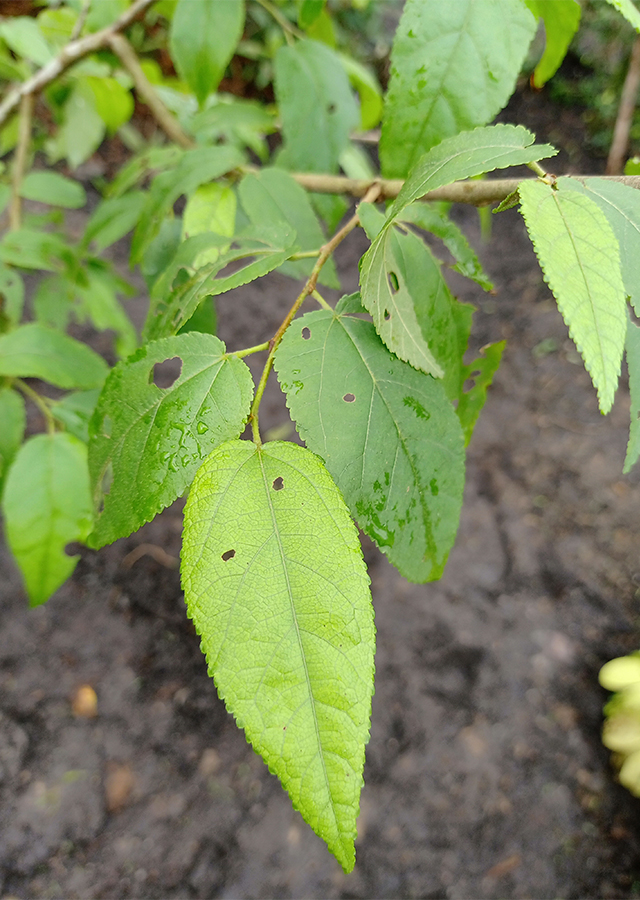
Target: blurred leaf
(75, 411)
(23, 35)
(308, 11)
(202, 39)
(11, 294)
(150, 160)
(104, 12)
(561, 19)
(243, 123)
(53, 188)
(56, 25)
(35, 351)
(628, 10)
(82, 129)
(14, 419)
(369, 91)
(113, 218)
(29, 249)
(114, 104)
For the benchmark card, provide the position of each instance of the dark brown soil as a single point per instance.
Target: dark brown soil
(485, 774)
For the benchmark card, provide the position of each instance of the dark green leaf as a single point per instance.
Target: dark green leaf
(35, 351)
(387, 433)
(202, 38)
(273, 196)
(152, 439)
(453, 66)
(46, 506)
(316, 104)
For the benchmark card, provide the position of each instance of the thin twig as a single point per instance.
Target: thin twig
(20, 158)
(39, 401)
(81, 20)
(620, 142)
(288, 27)
(70, 54)
(475, 193)
(146, 91)
(371, 196)
(249, 350)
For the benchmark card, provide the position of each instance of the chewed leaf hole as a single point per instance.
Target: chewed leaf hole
(349, 398)
(331, 108)
(228, 554)
(393, 281)
(278, 484)
(306, 334)
(387, 315)
(165, 374)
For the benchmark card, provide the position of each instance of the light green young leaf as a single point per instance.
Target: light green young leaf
(481, 370)
(387, 433)
(179, 290)
(23, 35)
(149, 441)
(633, 364)
(317, 106)
(632, 166)
(28, 249)
(580, 259)
(621, 205)
(75, 410)
(112, 219)
(202, 39)
(35, 351)
(13, 420)
(561, 19)
(53, 188)
(369, 91)
(275, 583)
(46, 506)
(211, 207)
(453, 66)
(272, 195)
(466, 155)
(431, 219)
(627, 9)
(196, 167)
(11, 294)
(114, 103)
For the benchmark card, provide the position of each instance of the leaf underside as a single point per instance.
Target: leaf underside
(387, 433)
(152, 439)
(580, 259)
(275, 583)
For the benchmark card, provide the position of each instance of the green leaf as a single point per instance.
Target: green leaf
(453, 66)
(29, 249)
(211, 207)
(317, 106)
(196, 167)
(101, 305)
(23, 35)
(13, 421)
(114, 103)
(53, 188)
(308, 11)
(175, 297)
(431, 219)
(202, 39)
(369, 91)
(104, 13)
(272, 195)
(627, 9)
(112, 219)
(412, 308)
(466, 155)
(152, 159)
(75, 410)
(11, 294)
(632, 166)
(633, 364)
(481, 370)
(561, 19)
(621, 205)
(387, 433)
(46, 506)
(232, 120)
(53, 301)
(275, 583)
(82, 130)
(580, 259)
(35, 351)
(149, 441)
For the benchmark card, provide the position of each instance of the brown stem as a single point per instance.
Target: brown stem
(146, 91)
(74, 51)
(20, 161)
(620, 142)
(325, 252)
